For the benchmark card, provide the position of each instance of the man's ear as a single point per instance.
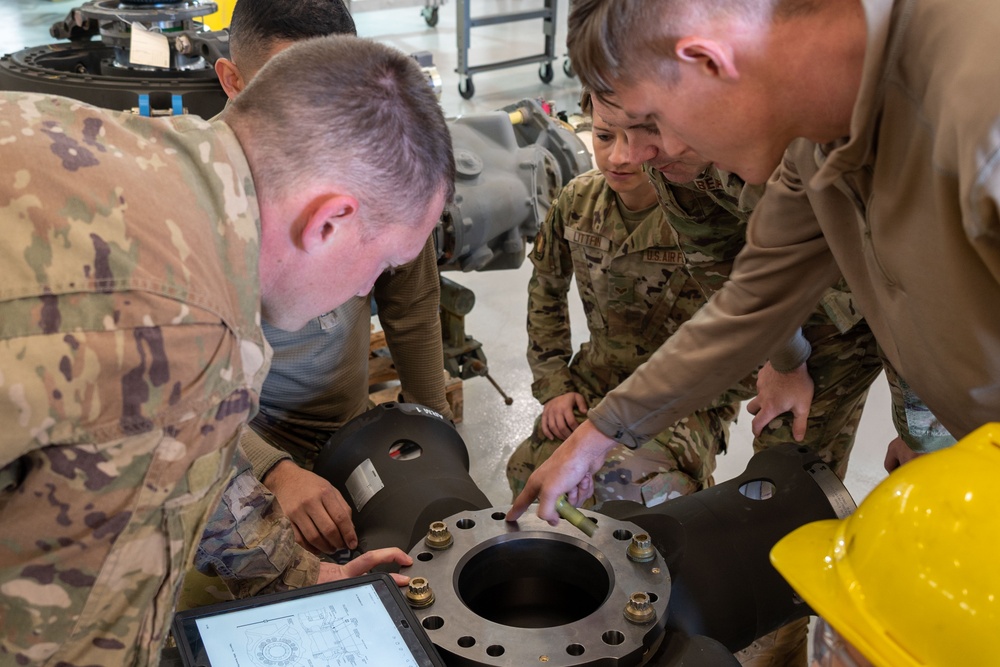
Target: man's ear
(712, 58)
(333, 219)
(230, 77)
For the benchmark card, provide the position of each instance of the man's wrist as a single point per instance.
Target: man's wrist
(595, 441)
(277, 472)
(612, 431)
(792, 354)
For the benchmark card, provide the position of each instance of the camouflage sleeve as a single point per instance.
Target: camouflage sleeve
(408, 309)
(839, 305)
(550, 345)
(915, 423)
(262, 455)
(249, 542)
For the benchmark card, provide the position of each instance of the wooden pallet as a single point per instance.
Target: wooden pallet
(383, 381)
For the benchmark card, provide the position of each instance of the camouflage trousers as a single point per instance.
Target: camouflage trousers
(677, 462)
(843, 367)
(681, 460)
(915, 423)
(785, 647)
(97, 537)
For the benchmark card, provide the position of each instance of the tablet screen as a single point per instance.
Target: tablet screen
(356, 622)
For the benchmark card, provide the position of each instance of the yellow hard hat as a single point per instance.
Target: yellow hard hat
(912, 578)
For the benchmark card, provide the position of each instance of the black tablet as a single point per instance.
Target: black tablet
(359, 621)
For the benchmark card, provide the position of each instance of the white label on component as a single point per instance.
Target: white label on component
(148, 48)
(363, 484)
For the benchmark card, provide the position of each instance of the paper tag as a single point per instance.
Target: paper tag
(149, 48)
(363, 484)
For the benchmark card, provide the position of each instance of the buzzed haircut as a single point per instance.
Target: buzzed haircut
(257, 24)
(614, 41)
(347, 111)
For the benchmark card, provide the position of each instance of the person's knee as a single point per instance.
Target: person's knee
(530, 454)
(649, 487)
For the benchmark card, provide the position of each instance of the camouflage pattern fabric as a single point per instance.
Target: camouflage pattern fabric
(677, 462)
(785, 647)
(703, 226)
(129, 360)
(843, 366)
(249, 544)
(845, 359)
(710, 216)
(915, 423)
(635, 292)
(317, 382)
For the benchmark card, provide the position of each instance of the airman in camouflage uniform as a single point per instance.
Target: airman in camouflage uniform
(140, 256)
(708, 216)
(635, 293)
(318, 380)
(319, 374)
(128, 365)
(671, 264)
(705, 224)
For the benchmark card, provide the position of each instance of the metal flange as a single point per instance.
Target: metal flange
(528, 593)
(166, 12)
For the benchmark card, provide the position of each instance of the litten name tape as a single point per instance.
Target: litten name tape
(589, 240)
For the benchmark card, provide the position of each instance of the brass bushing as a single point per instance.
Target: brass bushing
(438, 537)
(419, 593)
(639, 609)
(640, 549)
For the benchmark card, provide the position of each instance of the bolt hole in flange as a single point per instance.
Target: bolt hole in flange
(613, 638)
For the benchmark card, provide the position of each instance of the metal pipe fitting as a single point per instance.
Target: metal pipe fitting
(504, 587)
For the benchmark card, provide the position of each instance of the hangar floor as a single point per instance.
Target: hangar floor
(491, 429)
